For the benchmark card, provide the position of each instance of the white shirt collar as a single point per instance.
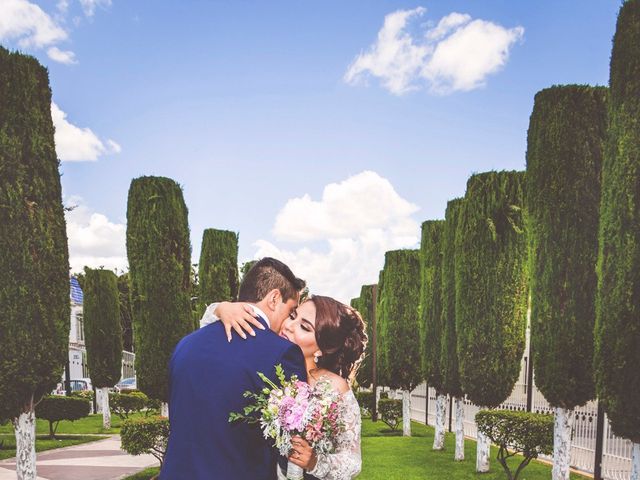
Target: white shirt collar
(261, 313)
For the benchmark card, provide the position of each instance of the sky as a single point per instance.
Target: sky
(324, 133)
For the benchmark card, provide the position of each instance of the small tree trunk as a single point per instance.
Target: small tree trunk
(406, 413)
(25, 431)
(563, 423)
(164, 409)
(459, 456)
(441, 407)
(635, 462)
(106, 411)
(482, 453)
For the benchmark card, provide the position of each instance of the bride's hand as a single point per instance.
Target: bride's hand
(302, 454)
(238, 316)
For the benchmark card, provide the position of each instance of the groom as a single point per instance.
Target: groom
(208, 376)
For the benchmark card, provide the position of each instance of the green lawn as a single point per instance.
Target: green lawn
(88, 425)
(386, 455)
(8, 448)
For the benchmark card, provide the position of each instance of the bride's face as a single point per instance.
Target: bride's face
(300, 328)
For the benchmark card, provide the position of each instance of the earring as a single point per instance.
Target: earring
(315, 358)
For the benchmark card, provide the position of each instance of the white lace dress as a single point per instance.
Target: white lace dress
(346, 462)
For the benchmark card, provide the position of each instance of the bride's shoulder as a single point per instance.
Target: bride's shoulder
(337, 382)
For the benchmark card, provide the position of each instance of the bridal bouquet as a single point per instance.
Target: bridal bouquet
(295, 408)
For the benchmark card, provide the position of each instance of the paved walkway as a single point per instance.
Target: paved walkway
(100, 460)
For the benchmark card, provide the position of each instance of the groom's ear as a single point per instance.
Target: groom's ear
(274, 298)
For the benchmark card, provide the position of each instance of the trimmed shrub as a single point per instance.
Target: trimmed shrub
(449, 355)
(103, 332)
(34, 262)
(146, 436)
(431, 328)
(366, 401)
(159, 256)
(564, 159)
(55, 408)
(517, 433)
(126, 316)
(390, 411)
(123, 404)
(491, 286)
(617, 330)
(398, 343)
(83, 394)
(218, 268)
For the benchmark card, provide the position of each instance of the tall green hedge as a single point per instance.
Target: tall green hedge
(34, 262)
(431, 328)
(102, 329)
(617, 331)
(398, 320)
(364, 305)
(159, 256)
(218, 267)
(449, 354)
(126, 315)
(491, 286)
(564, 161)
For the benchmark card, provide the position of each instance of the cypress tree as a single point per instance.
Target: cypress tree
(491, 290)
(398, 319)
(364, 305)
(246, 266)
(34, 263)
(617, 330)
(103, 333)
(159, 256)
(431, 318)
(564, 160)
(126, 316)
(218, 268)
(449, 355)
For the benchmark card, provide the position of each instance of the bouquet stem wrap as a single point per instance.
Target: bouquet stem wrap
(294, 472)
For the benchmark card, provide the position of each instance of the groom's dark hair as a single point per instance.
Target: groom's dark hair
(266, 275)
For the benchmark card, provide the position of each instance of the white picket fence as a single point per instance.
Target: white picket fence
(616, 457)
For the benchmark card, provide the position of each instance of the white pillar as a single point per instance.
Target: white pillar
(562, 426)
(459, 455)
(25, 431)
(106, 411)
(164, 409)
(482, 453)
(441, 408)
(406, 413)
(635, 462)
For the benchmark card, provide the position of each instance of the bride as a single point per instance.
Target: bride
(332, 338)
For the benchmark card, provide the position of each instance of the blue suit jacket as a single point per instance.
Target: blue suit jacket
(208, 377)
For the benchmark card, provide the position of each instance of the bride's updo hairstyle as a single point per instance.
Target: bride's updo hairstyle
(340, 334)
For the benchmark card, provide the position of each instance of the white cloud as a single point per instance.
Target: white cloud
(358, 220)
(89, 6)
(94, 240)
(75, 144)
(67, 57)
(458, 54)
(26, 22)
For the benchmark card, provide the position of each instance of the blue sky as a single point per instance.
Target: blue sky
(247, 106)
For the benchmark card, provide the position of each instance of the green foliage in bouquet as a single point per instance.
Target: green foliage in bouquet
(34, 259)
(431, 327)
(390, 412)
(398, 344)
(146, 436)
(102, 328)
(159, 256)
(55, 408)
(617, 330)
(491, 286)
(517, 433)
(449, 354)
(564, 159)
(218, 268)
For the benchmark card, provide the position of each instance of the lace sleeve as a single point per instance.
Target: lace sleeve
(209, 316)
(346, 462)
